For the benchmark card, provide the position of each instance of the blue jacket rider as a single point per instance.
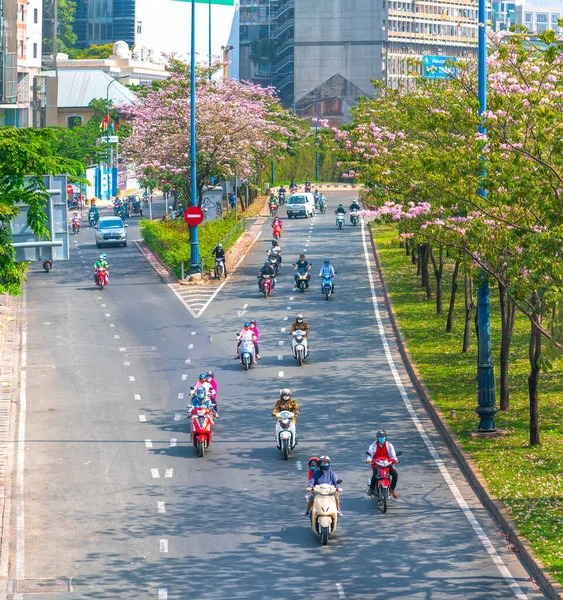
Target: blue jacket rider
(324, 475)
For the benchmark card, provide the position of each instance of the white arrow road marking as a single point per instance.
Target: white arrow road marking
(241, 312)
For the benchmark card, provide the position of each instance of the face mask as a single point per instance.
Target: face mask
(381, 440)
(300, 320)
(314, 468)
(285, 397)
(324, 467)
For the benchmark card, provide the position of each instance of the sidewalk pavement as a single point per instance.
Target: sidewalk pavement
(9, 378)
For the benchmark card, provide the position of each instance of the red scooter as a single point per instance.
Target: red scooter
(202, 429)
(266, 285)
(383, 481)
(277, 231)
(76, 226)
(101, 277)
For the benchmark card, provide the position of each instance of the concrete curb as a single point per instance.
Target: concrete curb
(545, 580)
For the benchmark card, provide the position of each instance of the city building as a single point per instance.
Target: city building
(503, 15)
(539, 15)
(20, 60)
(162, 27)
(257, 46)
(130, 67)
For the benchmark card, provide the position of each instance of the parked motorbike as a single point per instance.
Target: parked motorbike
(266, 285)
(383, 481)
(101, 277)
(219, 267)
(326, 285)
(324, 516)
(340, 220)
(201, 429)
(286, 435)
(75, 226)
(246, 352)
(354, 218)
(299, 346)
(303, 277)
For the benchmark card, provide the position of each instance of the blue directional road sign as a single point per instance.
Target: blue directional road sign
(438, 67)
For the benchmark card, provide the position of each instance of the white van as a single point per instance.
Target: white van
(300, 205)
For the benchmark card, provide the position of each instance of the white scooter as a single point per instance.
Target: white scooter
(340, 220)
(286, 435)
(246, 352)
(299, 346)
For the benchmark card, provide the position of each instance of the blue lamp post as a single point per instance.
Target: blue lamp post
(486, 408)
(194, 242)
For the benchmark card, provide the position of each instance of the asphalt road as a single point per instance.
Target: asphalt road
(116, 499)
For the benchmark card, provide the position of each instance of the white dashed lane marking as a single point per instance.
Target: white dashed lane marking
(188, 361)
(181, 396)
(161, 507)
(280, 356)
(142, 418)
(280, 343)
(155, 474)
(190, 346)
(280, 373)
(162, 593)
(148, 443)
(193, 333)
(116, 337)
(131, 378)
(299, 465)
(164, 546)
(173, 442)
(177, 416)
(169, 473)
(137, 396)
(184, 377)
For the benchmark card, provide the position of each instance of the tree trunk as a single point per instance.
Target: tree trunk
(438, 273)
(407, 248)
(469, 308)
(413, 255)
(507, 317)
(175, 199)
(450, 321)
(419, 261)
(534, 352)
(426, 250)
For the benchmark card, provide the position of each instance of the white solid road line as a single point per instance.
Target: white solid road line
(433, 452)
(161, 507)
(340, 591)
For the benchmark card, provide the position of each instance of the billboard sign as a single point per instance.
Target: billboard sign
(438, 67)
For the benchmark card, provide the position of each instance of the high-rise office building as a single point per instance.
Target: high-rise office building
(161, 27)
(323, 56)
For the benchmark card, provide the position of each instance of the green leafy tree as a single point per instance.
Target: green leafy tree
(25, 153)
(93, 51)
(66, 38)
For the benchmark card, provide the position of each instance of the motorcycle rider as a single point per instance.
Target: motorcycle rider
(340, 210)
(219, 252)
(317, 197)
(301, 324)
(210, 378)
(277, 223)
(275, 250)
(281, 192)
(302, 265)
(324, 475)
(101, 263)
(313, 467)
(307, 186)
(328, 269)
(382, 449)
(201, 400)
(254, 329)
(76, 217)
(267, 269)
(246, 333)
(285, 402)
(322, 202)
(292, 186)
(206, 385)
(354, 206)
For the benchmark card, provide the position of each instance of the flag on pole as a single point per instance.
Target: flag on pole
(106, 122)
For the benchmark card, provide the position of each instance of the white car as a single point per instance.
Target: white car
(300, 205)
(109, 231)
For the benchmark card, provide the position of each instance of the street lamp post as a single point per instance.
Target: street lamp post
(209, 40)
(194, 242)
(317, 137)
(486, 408)
(107, 131)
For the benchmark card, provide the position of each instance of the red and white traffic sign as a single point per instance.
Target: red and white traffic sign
(193, 215)
(69, 189)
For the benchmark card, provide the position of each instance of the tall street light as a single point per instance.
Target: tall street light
(194, 242)
(107, 131)
(209, 40)
(485, 372)
(317, 137)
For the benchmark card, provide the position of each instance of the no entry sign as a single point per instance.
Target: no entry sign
(69, 189)
(193, 215)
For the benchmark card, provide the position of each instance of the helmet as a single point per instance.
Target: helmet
(313, 459)
(201, 393)
(274, 242)
(285, 392)
(102, 257)
(301, 256)
(202, 376)
(327, 261)
(219, 245)
(324, 462)
(210, 374)
(252, 322)
(381, 435)
(339, 205)
(299, 318)
(246, 325)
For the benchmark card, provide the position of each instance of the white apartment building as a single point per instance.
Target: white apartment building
(539, 15)
(29, 49)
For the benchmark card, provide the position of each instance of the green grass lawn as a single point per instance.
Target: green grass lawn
(529, 481)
